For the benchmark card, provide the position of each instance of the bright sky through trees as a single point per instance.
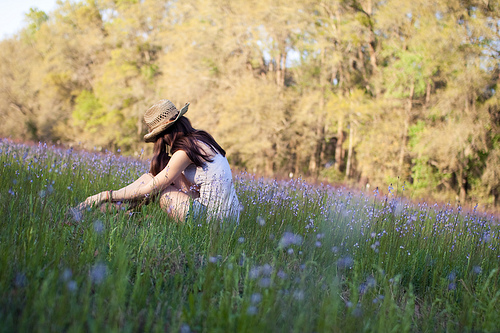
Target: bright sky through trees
(12, 14)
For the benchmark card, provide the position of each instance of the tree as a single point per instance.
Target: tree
(18, 103)
(351, 90)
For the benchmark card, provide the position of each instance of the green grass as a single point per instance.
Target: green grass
(303, 258)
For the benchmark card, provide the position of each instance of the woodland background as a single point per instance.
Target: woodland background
(401, 92)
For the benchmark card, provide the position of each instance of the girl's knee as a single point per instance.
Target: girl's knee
(165, 202)
(167, 197)
(173, 202)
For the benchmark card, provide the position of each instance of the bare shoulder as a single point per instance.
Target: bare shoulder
(179, 155)
(206, 149)
(179, 158)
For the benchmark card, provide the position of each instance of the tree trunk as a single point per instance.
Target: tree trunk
(372, 45)
(427, 95)
(270, 160)
(278, 71)
(313, 165)
(371, 50)
(269, 166)
(339, 150)
(139, 119)
(315, 161)
(280, 68)
(362, 66)
(283, 70)
(463, 188)
(463, 184)
(296, 167)
(404, 138)
(349, 152)
(319, 138)
(322, 155)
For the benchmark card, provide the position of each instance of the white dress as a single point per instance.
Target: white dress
(215, 182)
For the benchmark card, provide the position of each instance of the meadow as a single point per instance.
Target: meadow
(304, 258)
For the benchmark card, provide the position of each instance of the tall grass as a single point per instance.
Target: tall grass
(303, 258)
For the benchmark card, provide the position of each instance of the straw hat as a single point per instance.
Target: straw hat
(160, 116)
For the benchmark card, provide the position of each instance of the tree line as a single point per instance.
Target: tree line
(400, 92)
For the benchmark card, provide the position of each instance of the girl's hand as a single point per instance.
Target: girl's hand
(96, 199)
(93, 200)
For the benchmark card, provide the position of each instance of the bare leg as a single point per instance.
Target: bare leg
(175, 203)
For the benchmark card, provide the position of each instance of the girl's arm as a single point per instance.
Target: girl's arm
(141, 181)
(186, 186)
(178, 162)
(168, 175)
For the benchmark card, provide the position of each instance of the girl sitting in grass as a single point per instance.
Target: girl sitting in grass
(195, 179)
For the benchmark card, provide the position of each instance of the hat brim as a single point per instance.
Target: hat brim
(151, 136)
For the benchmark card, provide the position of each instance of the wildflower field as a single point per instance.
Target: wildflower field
(304, 258)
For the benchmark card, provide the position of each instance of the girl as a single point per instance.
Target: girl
(195, 179)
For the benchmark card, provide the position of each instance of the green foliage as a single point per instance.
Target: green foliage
(149, 72)
(406, 71)
(425, 176)
(35, 19)
(415, 133)
(86, 107)
(288, 87)
(332, 175)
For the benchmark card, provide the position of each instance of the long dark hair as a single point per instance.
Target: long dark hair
(182, 136)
